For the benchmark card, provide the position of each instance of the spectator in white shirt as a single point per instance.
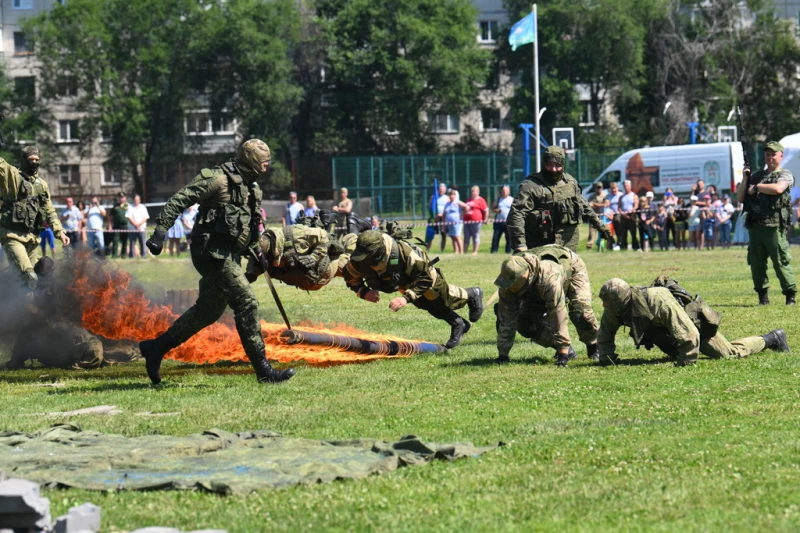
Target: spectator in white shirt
(137, 216)
(95, 221)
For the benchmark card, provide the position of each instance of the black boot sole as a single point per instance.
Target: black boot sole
(278, 376)
(476, 310)
(152, 361)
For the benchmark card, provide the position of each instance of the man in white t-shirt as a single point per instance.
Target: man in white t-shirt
(95, 222)
(500, 227)
(137, 216)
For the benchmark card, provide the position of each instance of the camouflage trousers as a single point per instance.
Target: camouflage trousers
(533, 323)
(223, 284)
(442, 298)
(718, 347)
(22, 254)
(770, 244)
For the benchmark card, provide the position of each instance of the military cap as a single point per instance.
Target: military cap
(555, 154)
(31, 150)
(775, 146)
(369, 244)
(250, 156)
(513, 273)
(616, 295)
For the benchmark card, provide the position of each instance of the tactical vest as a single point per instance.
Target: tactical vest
(769, 210)
(557, 212)
(26, 213)
(232, 225)
(394, 277)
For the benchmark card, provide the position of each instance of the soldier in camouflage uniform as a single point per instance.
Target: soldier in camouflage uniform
(298, 255)
(536, 289)
(26, 207)
(225, 230)
(381, 263)
(766, 199)
(549, 207)
(656, 318)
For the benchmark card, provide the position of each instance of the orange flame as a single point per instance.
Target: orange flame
(114, 308)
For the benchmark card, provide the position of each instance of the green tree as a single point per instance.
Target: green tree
(387, 64)
(25, 117)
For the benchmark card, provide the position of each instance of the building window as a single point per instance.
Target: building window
(69, 175)
(67, 131)
(67, 86)
(25, 88)
(488, 31)
(110, 175)
(586, 117)
(22, 4)
(20, 44)
(204, 124)
(445, 123)
(490, 120)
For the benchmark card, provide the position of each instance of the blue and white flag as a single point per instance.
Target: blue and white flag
(523, 32)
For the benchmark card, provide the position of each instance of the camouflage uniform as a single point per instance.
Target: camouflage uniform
(768, 220)
(226, 229)
(548, 209)
(298, 256)
(655, 318)
(26, 207)
(59, 344)
(536, 289)
(384, 264)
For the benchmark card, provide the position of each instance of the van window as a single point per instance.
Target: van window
(610, 177)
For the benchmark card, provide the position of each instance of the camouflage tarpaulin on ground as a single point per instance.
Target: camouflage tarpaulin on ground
(230, 463)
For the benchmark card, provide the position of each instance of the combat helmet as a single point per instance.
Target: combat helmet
(616, 296)
(251, 155)
(369, 246)
(514, 273)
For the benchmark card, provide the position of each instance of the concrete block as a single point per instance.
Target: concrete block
(80, 519)
(21, 505)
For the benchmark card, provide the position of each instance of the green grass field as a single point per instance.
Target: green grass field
(640, 446)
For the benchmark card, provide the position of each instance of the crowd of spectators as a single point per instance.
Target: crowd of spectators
(704, 220)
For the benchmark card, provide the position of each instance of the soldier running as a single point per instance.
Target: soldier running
(536, 289)
(381, 263)
(225, 230)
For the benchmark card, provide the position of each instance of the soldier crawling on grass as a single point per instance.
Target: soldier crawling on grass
(536, 288)
(682, 329)
(381, 263)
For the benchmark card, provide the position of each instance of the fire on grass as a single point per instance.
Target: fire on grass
(113, 307)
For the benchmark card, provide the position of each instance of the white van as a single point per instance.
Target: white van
(677, 167)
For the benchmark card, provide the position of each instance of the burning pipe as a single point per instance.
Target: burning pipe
(363, 346)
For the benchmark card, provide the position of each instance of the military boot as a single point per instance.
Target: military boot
(790, 298)
(153, 352)
(763, 296)
(475, 303)
(264, 371)
(592, 352)
(502, 359)
(458, 328)
(776, 340)
(562, 360)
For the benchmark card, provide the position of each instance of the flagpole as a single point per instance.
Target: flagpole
(536, 87)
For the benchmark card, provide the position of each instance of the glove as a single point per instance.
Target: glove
(254, 268)
(606, 234)
(307, 261)
(746, 172)
(156, 243)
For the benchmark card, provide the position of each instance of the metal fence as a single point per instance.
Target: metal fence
(403, 185)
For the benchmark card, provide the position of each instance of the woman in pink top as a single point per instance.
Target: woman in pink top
(474, 219)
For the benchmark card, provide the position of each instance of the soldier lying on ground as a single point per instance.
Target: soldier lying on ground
(381, 263)
(536, 289)
(656, 318)
(62, 343)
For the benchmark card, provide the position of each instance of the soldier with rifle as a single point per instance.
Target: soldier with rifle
(766, 198)
(226, 230)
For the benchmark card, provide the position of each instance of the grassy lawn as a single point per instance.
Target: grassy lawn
(640, 446)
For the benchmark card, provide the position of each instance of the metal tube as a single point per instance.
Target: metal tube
(353, 344)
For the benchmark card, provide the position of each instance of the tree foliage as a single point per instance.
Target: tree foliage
(388, 63)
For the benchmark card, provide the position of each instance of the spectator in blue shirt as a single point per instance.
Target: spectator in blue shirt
(292, 210)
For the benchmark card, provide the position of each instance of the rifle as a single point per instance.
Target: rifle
(742, 137)
(2, 141)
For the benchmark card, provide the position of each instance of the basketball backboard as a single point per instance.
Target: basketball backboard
(727, 134)
(565, 138)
